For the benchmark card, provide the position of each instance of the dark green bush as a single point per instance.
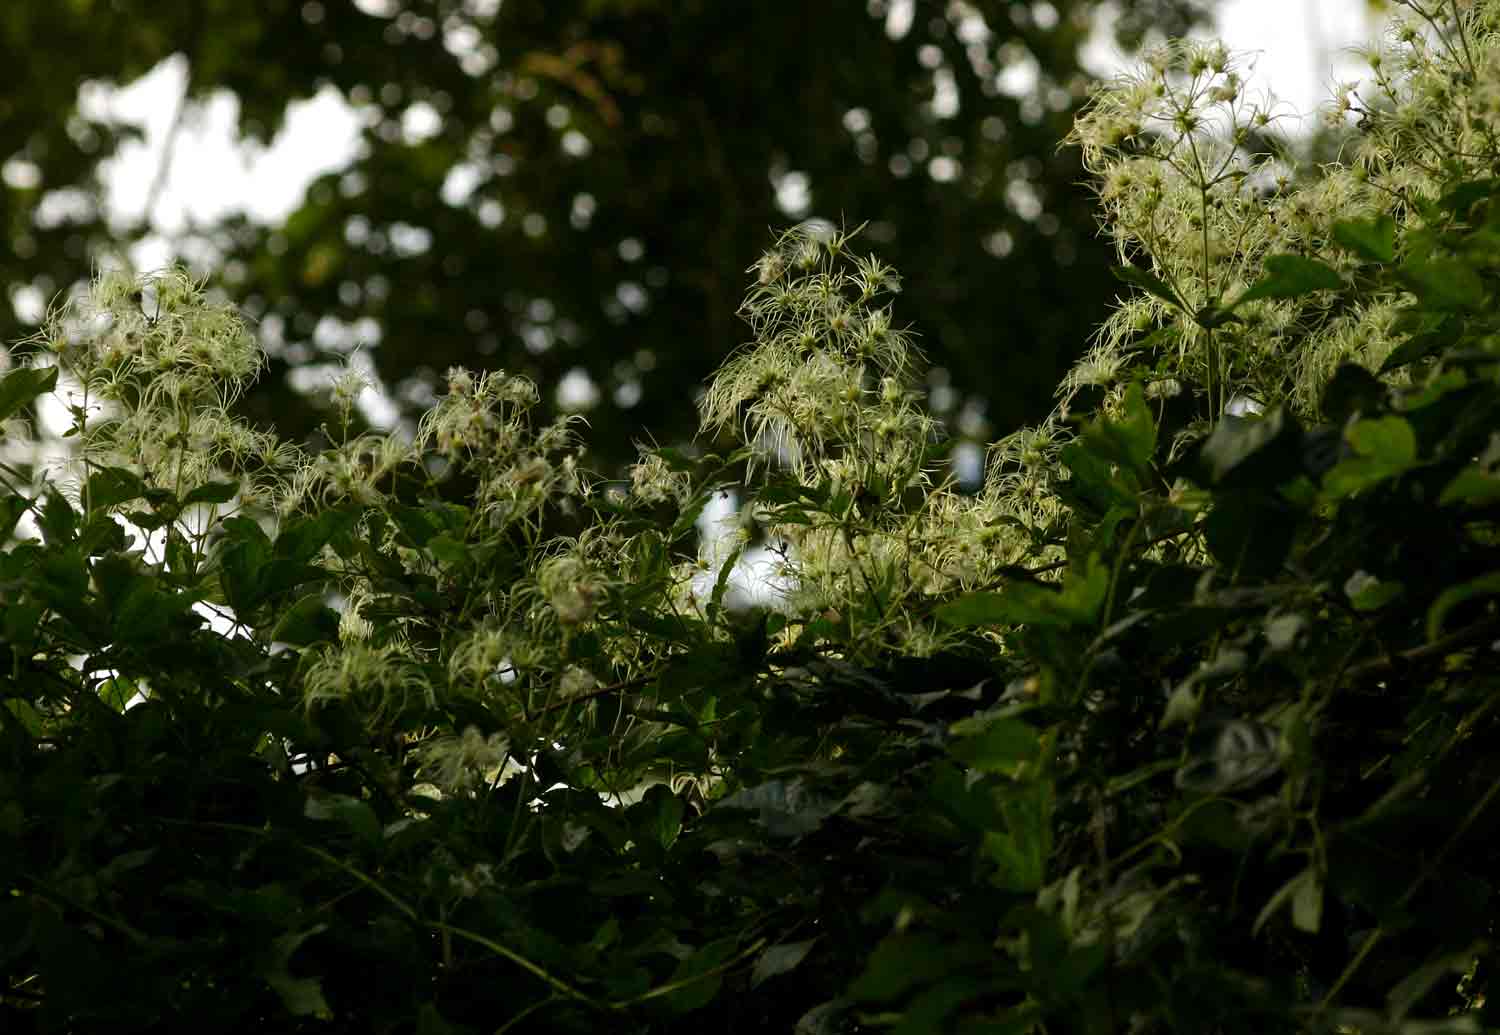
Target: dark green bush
(1180, 724)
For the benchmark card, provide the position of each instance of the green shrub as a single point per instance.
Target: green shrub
(1180, 723)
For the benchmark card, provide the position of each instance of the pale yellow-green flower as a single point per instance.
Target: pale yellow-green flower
(380, 679)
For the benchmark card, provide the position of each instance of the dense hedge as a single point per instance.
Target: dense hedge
(1180, 724)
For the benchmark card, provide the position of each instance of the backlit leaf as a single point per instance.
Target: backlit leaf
(1150, 283)
(1485, 585)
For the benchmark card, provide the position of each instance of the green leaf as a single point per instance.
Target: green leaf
(1351, 390)
(1425, 333)
(1069, 977)
(972, 806)
(1307, 905)
(281, 574)
(698, 976)
(116, 692)
(1485, 585)
(1149, 282)
(690, 673)
(182, 558)
(145, 615)
(431, 1022)
(1020, 851)
(1443, 283)
(688, 517)
(1250, 533)
(1473, 486)
(29, 716)
(12, 822)
(1129, 440)
(1031, 603)
(307, 621)
(1418, 346)
(676, 459)
(211, 492)
(417, 524)
(450, 552)
(11, 509)
(303, 997)
(1092, 484)
(19, 387)
(1461, 197)
(1183, 705)
(827, 1018)
(929, 1011)
(1252, 452)
(779, 959)
(721, 584)
(1373, 239)
(20, 622)
(304, 538)
(663, 812)
(1384, 448)
(1000, 746)
(900, 963)
(111, 486)
(1212, 316)
(100, 534)
(1291, 276)
(242, 561)
(149, 520)
(58, 521)
(1304, 893)
(351, 813)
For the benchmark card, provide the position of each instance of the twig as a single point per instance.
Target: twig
(621, 687)
(1042, 569)
(1462, 638)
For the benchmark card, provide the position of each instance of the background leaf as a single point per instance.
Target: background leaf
(779, 959)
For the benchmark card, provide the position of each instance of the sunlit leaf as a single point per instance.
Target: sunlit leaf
(1384, 448)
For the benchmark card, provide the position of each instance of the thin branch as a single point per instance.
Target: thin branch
(536, 970)
(21, 993)
(1438, 648)
(1042, 569)
(624, 686)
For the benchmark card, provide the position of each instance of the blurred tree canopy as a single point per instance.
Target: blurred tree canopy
(546, 186)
